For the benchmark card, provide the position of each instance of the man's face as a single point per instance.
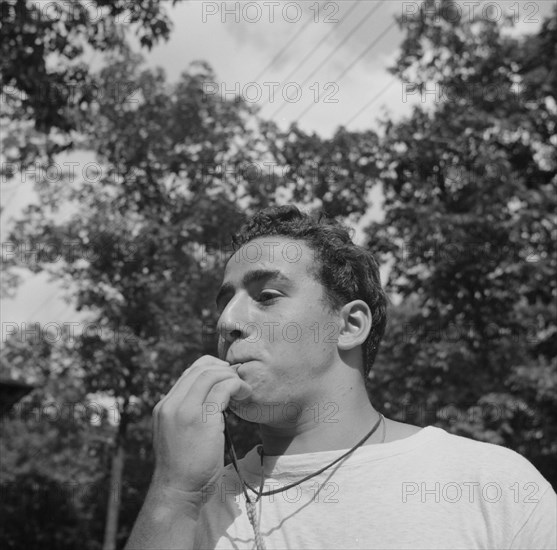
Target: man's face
(276, 322)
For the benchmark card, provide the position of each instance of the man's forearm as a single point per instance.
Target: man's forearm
(167, 520)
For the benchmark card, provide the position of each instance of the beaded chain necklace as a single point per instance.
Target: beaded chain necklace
(250, 505)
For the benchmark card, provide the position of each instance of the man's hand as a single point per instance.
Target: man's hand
(189, 452)
(188, 425)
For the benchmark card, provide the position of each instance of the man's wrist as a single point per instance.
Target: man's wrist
(167, 500)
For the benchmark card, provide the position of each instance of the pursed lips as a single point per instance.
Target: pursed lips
(239, 360)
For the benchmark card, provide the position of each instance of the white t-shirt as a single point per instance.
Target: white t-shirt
(430, 490)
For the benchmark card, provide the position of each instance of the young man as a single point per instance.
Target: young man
(302, 313)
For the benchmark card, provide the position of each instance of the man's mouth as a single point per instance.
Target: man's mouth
(236, 365)
(239, 360)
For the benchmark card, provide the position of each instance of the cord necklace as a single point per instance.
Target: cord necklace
(250, 505)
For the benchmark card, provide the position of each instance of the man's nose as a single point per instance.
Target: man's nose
(232, 322)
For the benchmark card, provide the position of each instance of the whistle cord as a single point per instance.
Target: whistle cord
(250, 505)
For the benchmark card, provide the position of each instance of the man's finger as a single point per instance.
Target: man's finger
(190, 373)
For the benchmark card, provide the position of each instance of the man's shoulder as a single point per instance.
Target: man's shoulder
(460, 444)
(463, 453)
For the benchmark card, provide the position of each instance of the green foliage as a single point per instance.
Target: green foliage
(53, 447)
(45, 46)
(470, 230)
(337, 173)
(147, 236)
(147, 248)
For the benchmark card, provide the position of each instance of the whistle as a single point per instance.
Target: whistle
(236, 366)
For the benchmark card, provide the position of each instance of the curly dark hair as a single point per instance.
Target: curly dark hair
(346, 271)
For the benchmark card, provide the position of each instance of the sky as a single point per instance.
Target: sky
(320, 64)
(288, 58)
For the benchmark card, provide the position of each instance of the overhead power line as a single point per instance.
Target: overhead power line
(9, 201)
(32, 318)
(284, 48)
(372, 100)
(346, 38)
(349, 67)
(310, 53)
(370, 47)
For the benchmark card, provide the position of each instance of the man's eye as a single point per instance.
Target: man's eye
(267, 296)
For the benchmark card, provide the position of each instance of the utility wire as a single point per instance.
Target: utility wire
(372, 100)
(33, 315)
(346, 38)
(9, 201)
(354, 5)
(370, 47)
(345, 71)
(284, 48)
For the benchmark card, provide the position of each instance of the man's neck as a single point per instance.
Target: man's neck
(323, 426)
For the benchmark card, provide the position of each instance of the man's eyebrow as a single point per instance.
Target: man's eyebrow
(252, 277)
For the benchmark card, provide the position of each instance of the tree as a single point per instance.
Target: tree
(53, 448)
(470, 228)
(48, 81)
(467, 229)
(44, 49)
(146, 243)
(334, 175)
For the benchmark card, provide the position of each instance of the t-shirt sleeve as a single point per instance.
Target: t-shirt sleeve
(539, 530)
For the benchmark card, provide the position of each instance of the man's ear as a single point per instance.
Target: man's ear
(356, 320)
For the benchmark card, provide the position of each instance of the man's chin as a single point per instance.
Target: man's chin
(246, 410)
(268, 413)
